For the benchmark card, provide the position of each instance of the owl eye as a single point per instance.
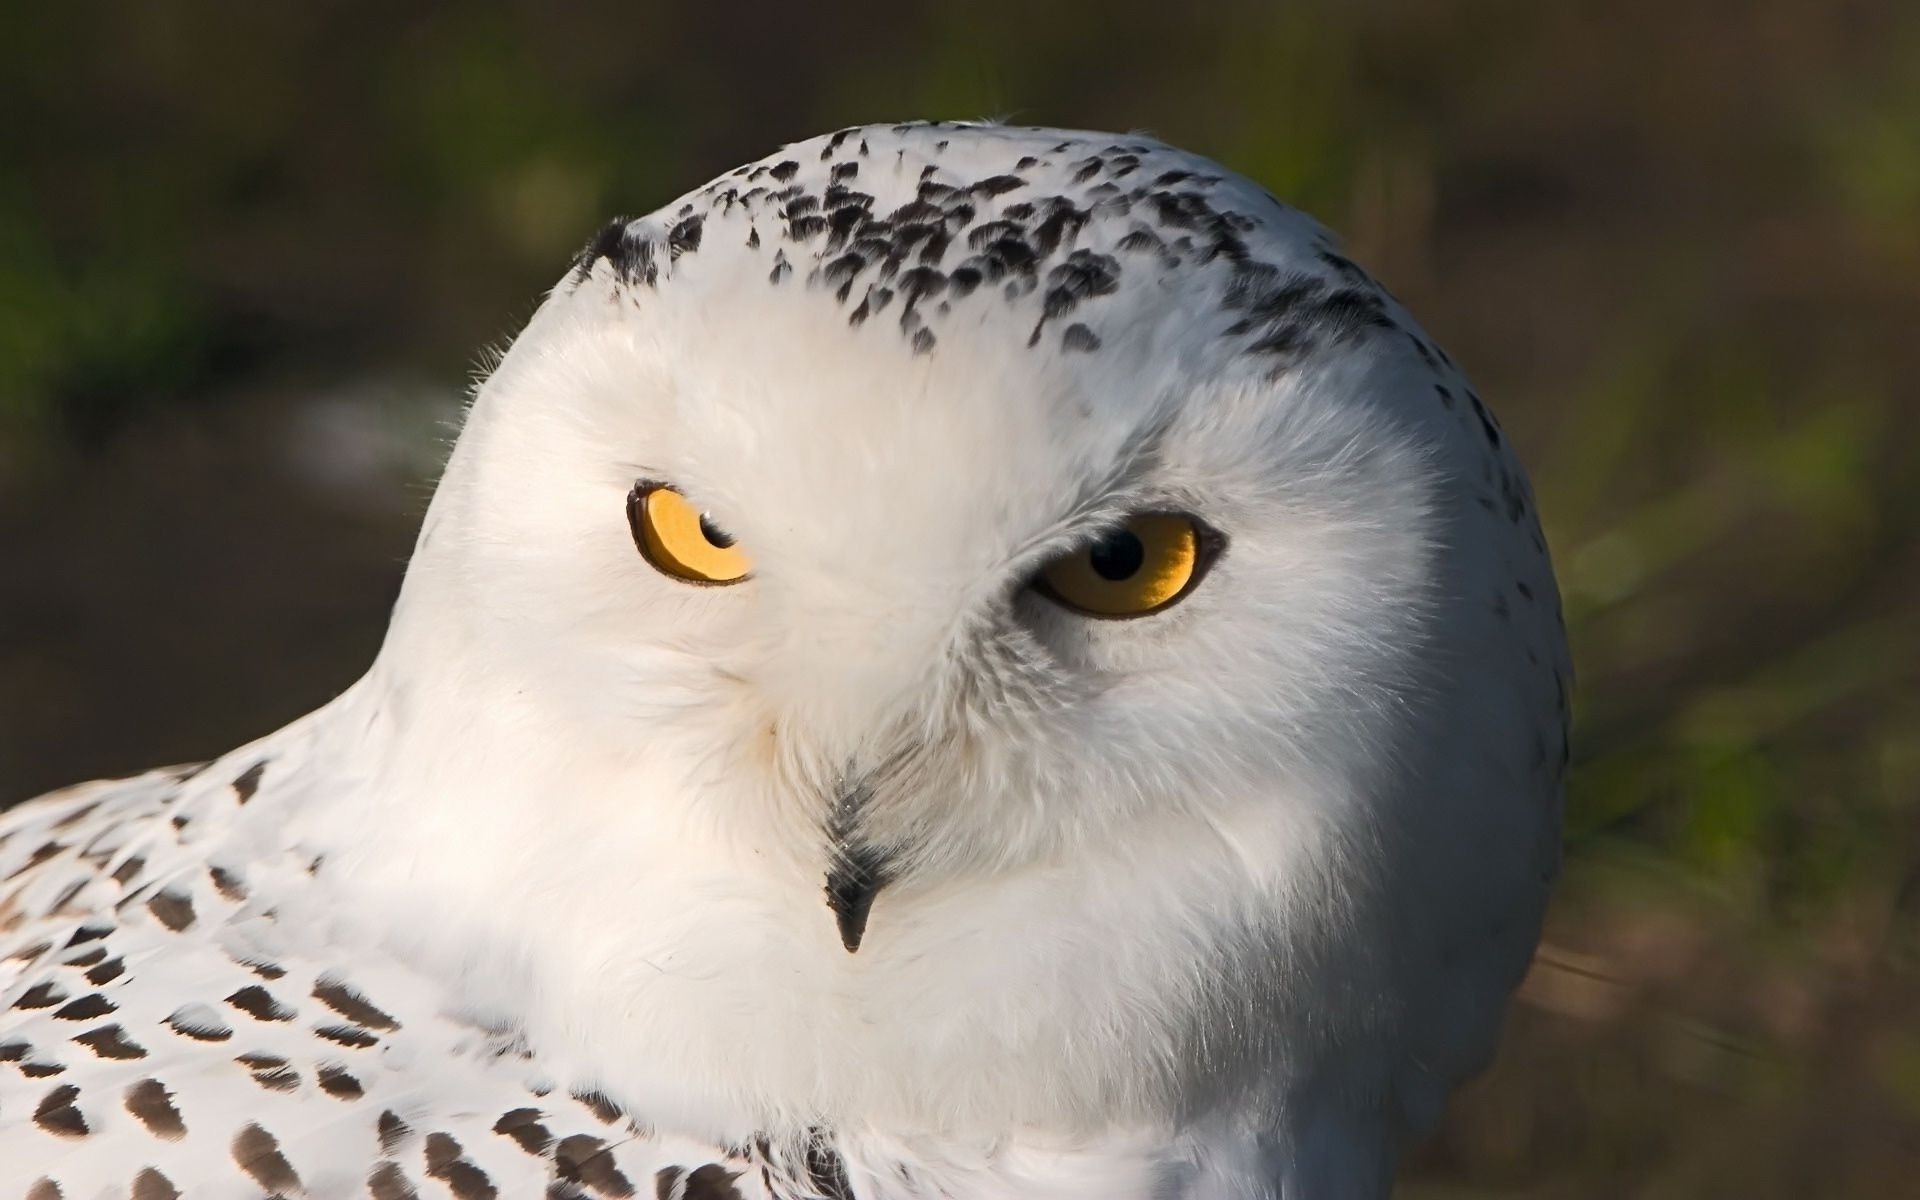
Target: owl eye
(680, 540)
(1140, 567)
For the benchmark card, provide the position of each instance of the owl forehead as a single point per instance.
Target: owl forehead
(1061, 244)
(1023, 302)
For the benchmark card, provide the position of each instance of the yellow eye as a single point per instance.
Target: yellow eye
(680, 540)
(1141, 567)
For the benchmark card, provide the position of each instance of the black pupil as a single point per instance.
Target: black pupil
(1118, 555)
(713, 533)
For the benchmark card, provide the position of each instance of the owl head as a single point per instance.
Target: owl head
(954, 622)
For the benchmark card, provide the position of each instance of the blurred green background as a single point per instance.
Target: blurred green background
(249, 256)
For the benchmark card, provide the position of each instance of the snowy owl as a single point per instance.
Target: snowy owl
(952, 662)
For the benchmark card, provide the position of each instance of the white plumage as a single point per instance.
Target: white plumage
(1216, 901)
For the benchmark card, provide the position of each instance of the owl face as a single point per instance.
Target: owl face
(953, 531)
(959, 608)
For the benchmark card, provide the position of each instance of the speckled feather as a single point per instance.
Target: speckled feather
(177, 1019)
(200, 996)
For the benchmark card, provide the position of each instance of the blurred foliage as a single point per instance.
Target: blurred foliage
(1677, 242)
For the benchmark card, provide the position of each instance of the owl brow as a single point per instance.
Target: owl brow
(647, 477)
(1095, 500)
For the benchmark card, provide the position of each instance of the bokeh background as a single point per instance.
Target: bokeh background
(249, 255)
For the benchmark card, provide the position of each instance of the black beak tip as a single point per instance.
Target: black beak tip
(850, 893)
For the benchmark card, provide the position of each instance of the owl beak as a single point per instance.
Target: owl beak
(858, 870)
(851, 887)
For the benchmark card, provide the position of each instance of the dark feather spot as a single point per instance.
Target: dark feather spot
(150, 1184)
(353, 1006)
(956, 215)
(1079, 337)
(917, 212)
(152, 1105)
(110, 1041)
(107, 971)
(632, 258)
(842, 223)
(57, 1115)
(922, 282)
(393, 1132)
(1486, 420)
(44, 1189)
(712, 1182)
(91, 1005)
(199, 1023)
(347, 1035)
(172, 909)
(1082, 277)
(588, 1161)
(836, 197)
(684, 238)
(41, 995)
(604, 1110)
(991, 231)
(227, 884)
(257, 1152)
(259, 1004)
(87, 933)
(271, 1072)
(465, 1180)
(840, 271)
(827, 1172)
(390, 1183)
(1008, 255)
(340, 1084)
(996, 185)
(524, 1127)
(247, 782)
